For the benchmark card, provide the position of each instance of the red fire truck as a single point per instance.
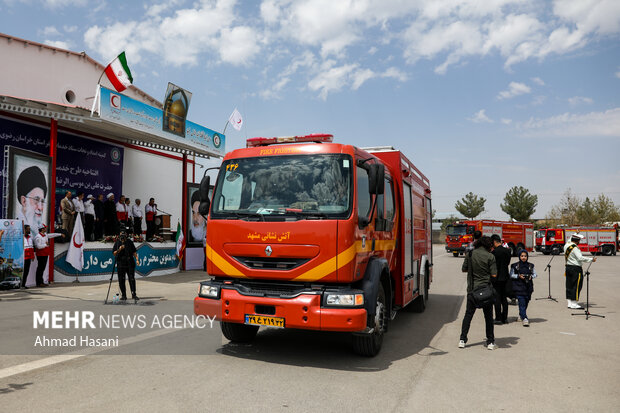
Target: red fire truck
(306, 233)
(597, 240)
(517, 235)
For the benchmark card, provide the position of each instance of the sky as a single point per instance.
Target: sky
(480, 95)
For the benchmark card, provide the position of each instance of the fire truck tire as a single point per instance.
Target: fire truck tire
(545, 252)
(238, 333)
(368, 345)
(608, 250)
(456, 254)
(555, 250)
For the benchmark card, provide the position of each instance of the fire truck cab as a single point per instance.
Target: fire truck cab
(305, 233)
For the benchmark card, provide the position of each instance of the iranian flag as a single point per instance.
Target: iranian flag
(180, 242)
(119, 74)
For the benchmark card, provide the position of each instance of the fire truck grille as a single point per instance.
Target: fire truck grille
(269, 289)
(266, 263)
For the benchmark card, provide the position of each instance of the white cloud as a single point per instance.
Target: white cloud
(506, 121)
(576, 100)
(514, 89)
(590, 125)
(64, 3)
(207, 28)
(618, 74)
(69, 29)
(50, 31)
(538, 100)
(331, 78)
(480, 117)
(538, 81)
(58, 43)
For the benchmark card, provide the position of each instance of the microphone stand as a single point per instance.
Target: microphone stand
(548, 269)
(587, 309)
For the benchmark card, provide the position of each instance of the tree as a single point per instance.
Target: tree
(519, 204)
(587, 214)
(470, 205)
(566, 211)
(605, 209)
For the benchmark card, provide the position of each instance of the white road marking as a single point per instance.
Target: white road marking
(568, 334)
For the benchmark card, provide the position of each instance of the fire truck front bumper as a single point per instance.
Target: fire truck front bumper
(304, 309)
(452, 248)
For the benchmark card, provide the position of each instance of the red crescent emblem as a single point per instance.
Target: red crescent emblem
(113, 100)
(75, 244)
(239, 121)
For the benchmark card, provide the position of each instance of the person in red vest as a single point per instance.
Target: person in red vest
(28, 254)
(151, 210)
(121, 212)
(43, 251)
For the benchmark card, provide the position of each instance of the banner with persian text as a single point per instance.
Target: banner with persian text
(82, 164)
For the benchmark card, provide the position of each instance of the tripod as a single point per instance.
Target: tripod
(586, 311)
(548, 269)
(110, 285)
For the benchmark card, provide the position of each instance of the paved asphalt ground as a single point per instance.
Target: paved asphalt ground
(561, 363)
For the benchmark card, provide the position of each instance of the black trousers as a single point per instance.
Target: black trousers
(41, 264)
(150, 229)
(26, 271)
(89, 226)
(137, 225)
(469, 314)
(501, 301)
(130, 272)
(574, 282)
(98, 229)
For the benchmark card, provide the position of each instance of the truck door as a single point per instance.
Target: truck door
(409, 276)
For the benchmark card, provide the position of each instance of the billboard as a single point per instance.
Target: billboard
(11, 248)
(28, 187)
(123, 110)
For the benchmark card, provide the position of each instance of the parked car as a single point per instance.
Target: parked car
(10, 283)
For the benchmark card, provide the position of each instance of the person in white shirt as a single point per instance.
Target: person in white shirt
(137, 215)
(78, 203)
(151, 211)
(121, 212)
(89, 217)
(28, 254)
(43, 251)
(574, 271)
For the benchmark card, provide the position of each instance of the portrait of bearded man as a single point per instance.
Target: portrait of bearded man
(31, 194)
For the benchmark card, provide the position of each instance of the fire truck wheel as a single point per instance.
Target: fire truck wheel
(456, 254)
(555, 250)
(607, 250)
(239, 333)
(369, 344)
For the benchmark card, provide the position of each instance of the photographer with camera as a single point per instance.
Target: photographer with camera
(522, 272)
(126, 258)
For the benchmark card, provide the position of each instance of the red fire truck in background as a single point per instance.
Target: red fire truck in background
(305, 233)
(597, 240)
(517, 235)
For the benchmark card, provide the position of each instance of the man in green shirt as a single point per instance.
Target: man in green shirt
(480, 267)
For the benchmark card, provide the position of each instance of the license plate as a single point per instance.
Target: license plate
(260, 320)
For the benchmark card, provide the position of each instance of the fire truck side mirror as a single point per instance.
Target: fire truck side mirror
(376, 179)
(205, 202)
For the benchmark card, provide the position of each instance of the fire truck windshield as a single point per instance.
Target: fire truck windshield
(314, 186)
(456, 229)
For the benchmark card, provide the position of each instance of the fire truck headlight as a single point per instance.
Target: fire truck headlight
(464, 245)
(352, 300)
(209, 291)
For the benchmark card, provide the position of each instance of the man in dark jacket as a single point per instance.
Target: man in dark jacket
(126, 256)
(98, 204)
(480, 267)
(501, 283)
(110, 220)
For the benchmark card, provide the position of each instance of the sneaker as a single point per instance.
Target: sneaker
(526, 322)
(461, 344)
(124, 298)
(569, 303)
(575, 306)
(491, 346)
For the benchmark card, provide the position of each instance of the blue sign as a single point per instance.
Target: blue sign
(137, 115)
(101, 261)
(82, 164)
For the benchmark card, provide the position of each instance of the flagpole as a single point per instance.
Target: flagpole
(227, 122)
